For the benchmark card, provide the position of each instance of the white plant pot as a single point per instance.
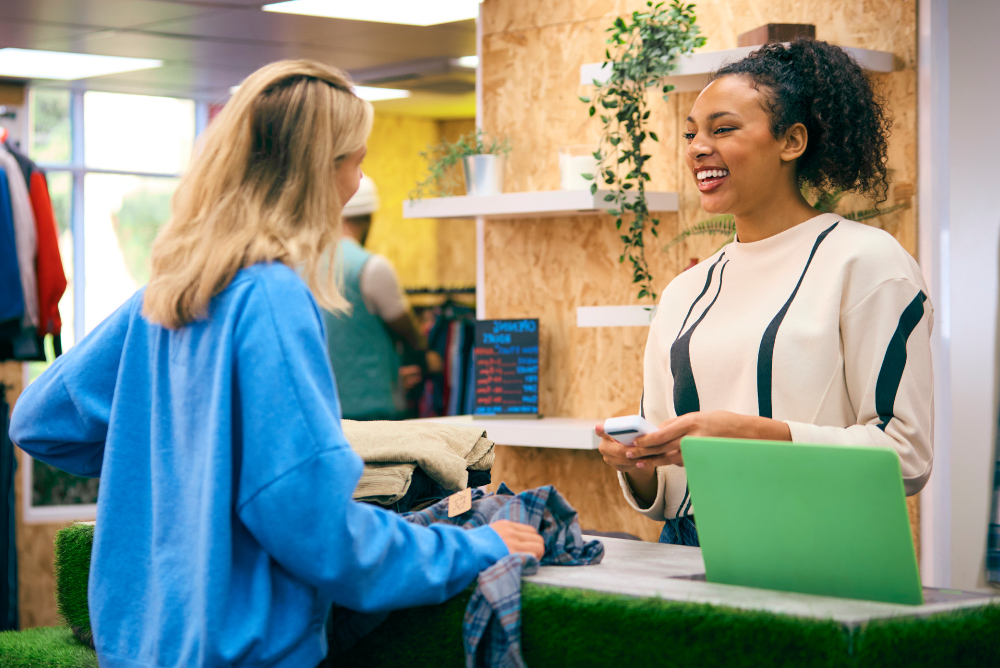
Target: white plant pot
(483, 174)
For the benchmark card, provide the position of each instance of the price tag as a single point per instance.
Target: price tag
(460, 502)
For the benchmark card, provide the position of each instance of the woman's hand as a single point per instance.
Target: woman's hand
(520, 537)
(642, 480)
(664, 446)
(614, 452)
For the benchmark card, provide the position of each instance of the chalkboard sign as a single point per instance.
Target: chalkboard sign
(506, 359)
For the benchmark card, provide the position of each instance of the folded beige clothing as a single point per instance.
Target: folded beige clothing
(392, 450)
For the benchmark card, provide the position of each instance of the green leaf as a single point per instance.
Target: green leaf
(609, 198)
(593, 188)
(584, 99)
(589, 177)
(652, 135)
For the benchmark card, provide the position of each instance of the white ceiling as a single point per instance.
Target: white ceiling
(209, 45)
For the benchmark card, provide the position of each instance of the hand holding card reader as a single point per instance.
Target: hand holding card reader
(627, 428)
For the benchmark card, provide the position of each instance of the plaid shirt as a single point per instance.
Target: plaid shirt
(491, 631)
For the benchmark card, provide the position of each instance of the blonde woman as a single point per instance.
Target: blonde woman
(206, 405)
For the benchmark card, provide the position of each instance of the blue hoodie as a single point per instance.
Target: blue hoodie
(225, 524)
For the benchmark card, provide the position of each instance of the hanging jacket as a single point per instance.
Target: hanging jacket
(25, 236)
(11, 296)
(51, 275)
(49, 272)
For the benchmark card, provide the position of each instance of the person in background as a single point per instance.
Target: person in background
(206, 404)
(362, 341)
(808, 327)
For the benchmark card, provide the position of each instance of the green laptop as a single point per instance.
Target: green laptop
(815, 519)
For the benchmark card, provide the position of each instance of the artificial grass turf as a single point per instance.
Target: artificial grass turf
(578, 628)
(573, 627)
(73, 547)
(582, 629)
(963, 638)
(44, 647)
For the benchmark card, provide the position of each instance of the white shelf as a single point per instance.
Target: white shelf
(546, 432)
(527, 205)
(614, 316)
(692, 70)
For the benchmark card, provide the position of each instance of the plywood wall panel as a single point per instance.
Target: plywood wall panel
(531, 56)
(35, 542)
(584, 480)
(503, 16)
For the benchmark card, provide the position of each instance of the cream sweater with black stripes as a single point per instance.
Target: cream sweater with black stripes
(825, 326)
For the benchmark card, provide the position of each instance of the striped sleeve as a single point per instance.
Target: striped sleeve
(887, 367)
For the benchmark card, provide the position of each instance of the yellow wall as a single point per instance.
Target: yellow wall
(531, 57)
(425, 252)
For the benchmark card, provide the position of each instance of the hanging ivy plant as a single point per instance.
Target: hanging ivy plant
(640, 54)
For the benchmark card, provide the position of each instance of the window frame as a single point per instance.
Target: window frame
(77, 168)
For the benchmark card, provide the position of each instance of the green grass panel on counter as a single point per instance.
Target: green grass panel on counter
(44, 647)
(579, 628)
(962, 639)
(73, 547)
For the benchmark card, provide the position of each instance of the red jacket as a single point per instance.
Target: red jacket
(49, 267)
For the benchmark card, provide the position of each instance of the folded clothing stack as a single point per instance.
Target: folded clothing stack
(401, 455)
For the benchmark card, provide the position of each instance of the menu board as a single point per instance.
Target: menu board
(506, 359)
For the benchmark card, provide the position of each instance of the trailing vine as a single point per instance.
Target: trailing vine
(645, 51)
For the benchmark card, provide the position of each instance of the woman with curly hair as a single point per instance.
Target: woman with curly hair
(206, 404)
(807, 328)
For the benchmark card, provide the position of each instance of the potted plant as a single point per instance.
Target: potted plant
(482, 161)
(640, 54)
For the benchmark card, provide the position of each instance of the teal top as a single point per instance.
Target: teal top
(362, 353)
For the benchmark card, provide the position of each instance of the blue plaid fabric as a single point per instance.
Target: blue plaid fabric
(491, 631)
(993, 538)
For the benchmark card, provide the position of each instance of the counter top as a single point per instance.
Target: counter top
(637, 568)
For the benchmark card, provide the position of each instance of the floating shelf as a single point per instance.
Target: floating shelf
(527, 205)
(692, 71)
(614, 316)
(546, 432)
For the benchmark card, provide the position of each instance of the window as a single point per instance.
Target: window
(112, 163)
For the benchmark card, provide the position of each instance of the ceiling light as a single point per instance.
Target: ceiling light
(369, 93)
(472, 62)
(405, 12)
(32, 64)
(375, 94)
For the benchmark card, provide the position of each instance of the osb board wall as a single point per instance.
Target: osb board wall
(425, 252)
(35, 542)
(546, 268)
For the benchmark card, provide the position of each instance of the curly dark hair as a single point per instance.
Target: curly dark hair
(819, 85)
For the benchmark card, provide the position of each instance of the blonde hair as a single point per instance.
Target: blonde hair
(261, 189)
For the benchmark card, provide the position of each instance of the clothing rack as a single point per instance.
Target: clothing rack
(463, 290)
